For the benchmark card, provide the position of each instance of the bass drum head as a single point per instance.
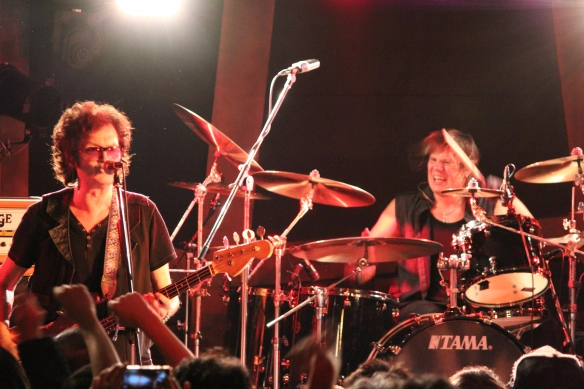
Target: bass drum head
(432, 345)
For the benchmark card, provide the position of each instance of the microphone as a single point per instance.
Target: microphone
(310, 270)
(301, 67)
(113, 165)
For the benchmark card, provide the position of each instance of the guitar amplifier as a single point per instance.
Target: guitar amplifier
(11, 211)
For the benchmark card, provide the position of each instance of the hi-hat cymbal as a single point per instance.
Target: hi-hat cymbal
(472, 192)
(344, 250)
(553, 171)
(326, 191)
(219, 188)
(215, 138)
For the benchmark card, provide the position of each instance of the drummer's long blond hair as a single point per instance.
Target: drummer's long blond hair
(435, 141)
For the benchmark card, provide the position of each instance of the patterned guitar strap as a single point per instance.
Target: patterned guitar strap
(112, 250)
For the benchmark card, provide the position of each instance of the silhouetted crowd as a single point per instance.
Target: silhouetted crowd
(84, 357)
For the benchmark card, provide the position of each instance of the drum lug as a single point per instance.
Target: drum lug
(493, 264)
(285, 363)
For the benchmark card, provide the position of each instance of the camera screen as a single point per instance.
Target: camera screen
(136, 377)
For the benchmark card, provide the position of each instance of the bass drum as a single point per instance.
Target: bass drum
(505, 269)
(430, 344)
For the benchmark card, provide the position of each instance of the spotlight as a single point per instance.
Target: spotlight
(149, 7)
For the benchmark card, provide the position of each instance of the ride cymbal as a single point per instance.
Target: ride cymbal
(215, 138)
(218, 188)
(326, 191)
(376, 250)
(553, 171)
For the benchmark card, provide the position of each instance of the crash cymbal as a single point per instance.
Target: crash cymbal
(326, 191)
(219, 188)
(552, 171)
(215, 138)
(472, 192)
(344, 250)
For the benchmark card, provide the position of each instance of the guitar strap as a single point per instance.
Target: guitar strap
(112, 250)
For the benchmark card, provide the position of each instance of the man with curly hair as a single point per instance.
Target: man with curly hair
(72, 236)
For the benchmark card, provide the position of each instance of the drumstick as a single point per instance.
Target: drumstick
(474, 170)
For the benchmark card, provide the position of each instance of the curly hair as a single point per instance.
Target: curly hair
(81, 118)
(419, 154)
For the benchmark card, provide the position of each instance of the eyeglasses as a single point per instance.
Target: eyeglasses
(113, 153)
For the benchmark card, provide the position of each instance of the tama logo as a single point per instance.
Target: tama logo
(456, 342)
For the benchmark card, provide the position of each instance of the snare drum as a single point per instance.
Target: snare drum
(505, 268)
(434, 345)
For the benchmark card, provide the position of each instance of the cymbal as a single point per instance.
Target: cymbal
(470, 192)
(552, 171)
(219, 188)
(344, 250)
(215, 138)
(326, 191)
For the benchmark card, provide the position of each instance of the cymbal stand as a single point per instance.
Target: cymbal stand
(279, 250)
(199, 198)
(201, 191)
(245, 272)
(572, 246)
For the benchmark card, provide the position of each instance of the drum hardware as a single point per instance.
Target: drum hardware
(454, 264)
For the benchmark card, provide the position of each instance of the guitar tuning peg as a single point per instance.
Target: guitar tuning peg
(225, 242)
(248, 235)
(261, 231)
(236, 238)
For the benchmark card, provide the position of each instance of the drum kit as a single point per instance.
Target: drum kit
(498, 269)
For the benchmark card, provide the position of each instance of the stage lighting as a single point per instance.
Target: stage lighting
(149, 7)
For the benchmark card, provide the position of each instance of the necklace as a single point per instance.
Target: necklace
(448, 211)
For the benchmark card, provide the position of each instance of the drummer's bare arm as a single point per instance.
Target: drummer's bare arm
(520, 208)
(386, 226)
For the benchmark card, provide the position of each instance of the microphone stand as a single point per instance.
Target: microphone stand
(244, 169)
(126, 256)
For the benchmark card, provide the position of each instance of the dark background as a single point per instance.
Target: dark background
(390, 73)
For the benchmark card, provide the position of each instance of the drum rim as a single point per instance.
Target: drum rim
(348, 292)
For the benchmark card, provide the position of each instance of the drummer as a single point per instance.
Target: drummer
(427, 213)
